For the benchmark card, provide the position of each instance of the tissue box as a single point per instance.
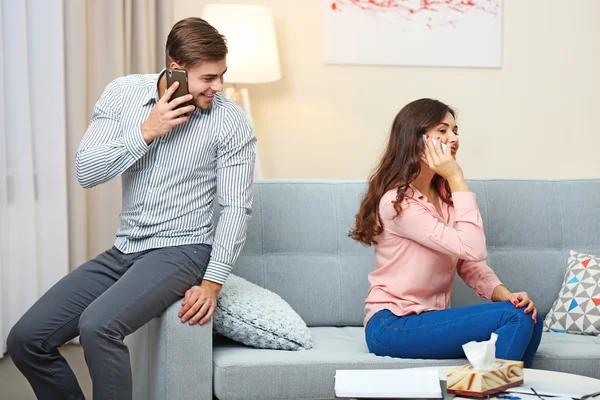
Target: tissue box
(466, 381)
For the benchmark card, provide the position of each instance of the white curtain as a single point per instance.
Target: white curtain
(56, 57)
(104, 40)
(34, 251)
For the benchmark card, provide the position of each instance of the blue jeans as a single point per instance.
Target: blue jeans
(441, 334)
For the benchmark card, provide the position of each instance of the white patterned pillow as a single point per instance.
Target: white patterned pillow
(257, 317)
(577, 309)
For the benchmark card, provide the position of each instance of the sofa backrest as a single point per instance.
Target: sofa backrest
(298, 244)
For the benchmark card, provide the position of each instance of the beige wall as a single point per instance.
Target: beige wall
(537, 117)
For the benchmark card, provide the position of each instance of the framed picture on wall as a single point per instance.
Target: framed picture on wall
(436, 33)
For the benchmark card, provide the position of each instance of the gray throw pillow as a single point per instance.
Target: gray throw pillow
(257, 317)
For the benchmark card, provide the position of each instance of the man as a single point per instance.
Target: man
(166, 247)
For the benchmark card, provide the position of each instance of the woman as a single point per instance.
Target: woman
(424, 223)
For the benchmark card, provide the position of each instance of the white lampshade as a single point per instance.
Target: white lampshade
(250, 34)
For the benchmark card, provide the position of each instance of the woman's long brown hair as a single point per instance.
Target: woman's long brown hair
(399, 166)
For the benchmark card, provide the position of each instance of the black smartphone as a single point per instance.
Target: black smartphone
(179, 75)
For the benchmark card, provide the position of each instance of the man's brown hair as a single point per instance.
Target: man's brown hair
(192, 41)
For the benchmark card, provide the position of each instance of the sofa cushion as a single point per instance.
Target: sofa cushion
(310, 374)
(577, 308)
(575, 354)
(298, 375)
(257, 317)
(312, 263)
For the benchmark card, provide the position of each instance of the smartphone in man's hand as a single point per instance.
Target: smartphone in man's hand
(179, 75)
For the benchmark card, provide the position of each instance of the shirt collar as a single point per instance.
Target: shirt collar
(152, 94)
(415, 192)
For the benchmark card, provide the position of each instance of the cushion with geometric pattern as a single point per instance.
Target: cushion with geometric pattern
(577, 308)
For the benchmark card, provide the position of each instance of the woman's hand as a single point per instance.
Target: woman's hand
(519, 299)
(444, 164)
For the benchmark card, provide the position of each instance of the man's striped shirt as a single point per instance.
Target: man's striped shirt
(169, 186)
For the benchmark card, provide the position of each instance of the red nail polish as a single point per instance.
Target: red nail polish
(438, 138)
(427, 136)
(526, 311)
(516, 302)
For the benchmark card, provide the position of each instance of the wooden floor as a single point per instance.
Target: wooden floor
(14, 386)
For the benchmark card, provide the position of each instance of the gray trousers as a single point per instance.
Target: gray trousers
(102, 301)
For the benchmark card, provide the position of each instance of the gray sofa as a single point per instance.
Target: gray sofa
(298, 247)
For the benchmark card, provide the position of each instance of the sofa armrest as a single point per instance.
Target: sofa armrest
(171, 360)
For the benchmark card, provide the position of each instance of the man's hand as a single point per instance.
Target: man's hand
(163, 117)
(199, 303)
(519, 299)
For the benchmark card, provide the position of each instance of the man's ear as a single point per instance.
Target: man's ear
(174, 65)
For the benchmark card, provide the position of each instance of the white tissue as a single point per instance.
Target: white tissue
(482, 355)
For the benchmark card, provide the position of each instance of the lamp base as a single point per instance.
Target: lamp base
(242, 98)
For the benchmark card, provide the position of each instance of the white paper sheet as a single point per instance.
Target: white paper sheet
(390, 383)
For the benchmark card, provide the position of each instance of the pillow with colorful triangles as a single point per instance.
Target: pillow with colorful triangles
(577, 308)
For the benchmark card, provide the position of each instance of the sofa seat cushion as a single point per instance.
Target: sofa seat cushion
(247, 373)
(242, 372)
(575, 354)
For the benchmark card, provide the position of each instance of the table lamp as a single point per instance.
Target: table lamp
(252, 56)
